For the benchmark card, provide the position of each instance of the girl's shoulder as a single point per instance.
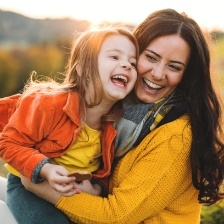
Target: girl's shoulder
(44, 100)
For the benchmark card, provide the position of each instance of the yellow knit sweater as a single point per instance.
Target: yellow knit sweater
(151, 184)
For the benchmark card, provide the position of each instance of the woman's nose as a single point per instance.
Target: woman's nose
(158, 72)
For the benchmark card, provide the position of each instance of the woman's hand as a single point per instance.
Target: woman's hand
(87, 187)
(43, 190)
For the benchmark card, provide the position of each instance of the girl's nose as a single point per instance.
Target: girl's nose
(125, 64)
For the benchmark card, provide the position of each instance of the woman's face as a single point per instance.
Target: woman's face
(161, 67)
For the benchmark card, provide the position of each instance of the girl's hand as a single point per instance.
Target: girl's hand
(57, 177)
(44, 190)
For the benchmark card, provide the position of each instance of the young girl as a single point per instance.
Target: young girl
(59, 128)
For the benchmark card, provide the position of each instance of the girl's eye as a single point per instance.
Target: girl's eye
(114, 57)
(133, 64)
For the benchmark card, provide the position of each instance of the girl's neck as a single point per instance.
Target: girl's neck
(94, 116)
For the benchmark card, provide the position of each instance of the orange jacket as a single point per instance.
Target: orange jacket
(7, 107)
(45, 126)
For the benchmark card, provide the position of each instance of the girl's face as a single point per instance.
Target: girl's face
(161, 67)
(117, 67)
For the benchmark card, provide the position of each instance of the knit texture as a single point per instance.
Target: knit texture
(140, 118)
(150, 184)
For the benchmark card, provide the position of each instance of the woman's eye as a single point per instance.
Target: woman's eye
(176, 68)
(150, 57)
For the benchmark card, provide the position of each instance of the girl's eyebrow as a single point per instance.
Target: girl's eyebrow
(173, 61)
(119, 51)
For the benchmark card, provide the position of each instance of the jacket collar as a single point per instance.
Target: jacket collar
(71, 107)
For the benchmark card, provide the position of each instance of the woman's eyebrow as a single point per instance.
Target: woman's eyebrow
(173, 61)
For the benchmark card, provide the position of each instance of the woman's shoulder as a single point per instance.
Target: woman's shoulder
(180, 126)
(176, 135)
(179, 129)
(183, 122)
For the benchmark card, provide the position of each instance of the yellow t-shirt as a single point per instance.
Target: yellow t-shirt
(85, 154)
(11, 170)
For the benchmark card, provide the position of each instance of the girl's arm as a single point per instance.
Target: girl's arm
(27, 127)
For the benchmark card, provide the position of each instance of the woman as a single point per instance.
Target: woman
(179, 164)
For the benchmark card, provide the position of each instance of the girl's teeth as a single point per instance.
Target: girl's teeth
(121, 77)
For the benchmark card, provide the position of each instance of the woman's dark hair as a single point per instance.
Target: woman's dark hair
(202, 103)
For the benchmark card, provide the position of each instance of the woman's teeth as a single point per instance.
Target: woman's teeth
(152, 85)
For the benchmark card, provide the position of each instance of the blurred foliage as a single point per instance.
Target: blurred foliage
(219, 58)
(18, 62)
(9, 75)
(213, 214)
(3, 171)
(217, 35)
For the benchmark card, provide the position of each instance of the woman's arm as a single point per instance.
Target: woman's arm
(43, 190)
(145, 182)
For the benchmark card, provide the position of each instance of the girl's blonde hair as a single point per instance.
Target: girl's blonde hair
(82, 68)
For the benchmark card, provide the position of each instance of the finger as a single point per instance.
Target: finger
(63, 179)
(64, 188)
(70, 193)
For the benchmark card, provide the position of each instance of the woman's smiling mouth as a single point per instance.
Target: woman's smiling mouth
(150, 85)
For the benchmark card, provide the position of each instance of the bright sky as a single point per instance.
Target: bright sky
(208, 13)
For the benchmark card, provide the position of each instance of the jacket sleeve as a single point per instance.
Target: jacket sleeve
(7, 108)
(146, 180)
(27, 126)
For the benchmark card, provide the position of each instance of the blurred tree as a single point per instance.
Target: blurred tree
(9, 73)
(17, 63)
(213, 214)
(46, 60)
